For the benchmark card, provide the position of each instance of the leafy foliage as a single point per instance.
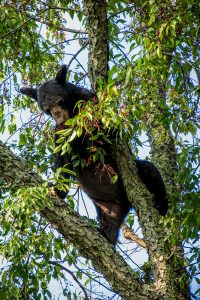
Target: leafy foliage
(153, 52)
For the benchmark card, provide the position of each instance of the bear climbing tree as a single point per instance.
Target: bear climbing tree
(58, 98)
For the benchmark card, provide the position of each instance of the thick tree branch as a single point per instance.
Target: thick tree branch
(77, 231)
(165, 274)
(154, 234)
(14, 171)
(141, 199)
(163, 151)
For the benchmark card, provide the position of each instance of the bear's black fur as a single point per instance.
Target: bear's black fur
(58, 98)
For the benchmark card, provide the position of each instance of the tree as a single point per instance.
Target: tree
(143, 62)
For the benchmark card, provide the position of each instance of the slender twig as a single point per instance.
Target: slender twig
(118, 47)
(95, 280)
(80, 65)
(195, 297)
(61, 28)
(120, 12)
(8, 77)
(35, 18)
(84, 203)
(55, 263)
(66, 41)
(84, 75)
(198, 75)
(64, 8)
(77, 53)
(130, 259)
(25, 124)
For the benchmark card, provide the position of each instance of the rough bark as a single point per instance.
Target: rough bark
(164, 156)
(76, 230)
(163, 266)
(163, 263)
(97, 26)
(161, 140)
(15, 174)
(163, 153)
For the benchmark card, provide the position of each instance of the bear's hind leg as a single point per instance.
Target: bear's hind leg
(152, 178)
(111, 217)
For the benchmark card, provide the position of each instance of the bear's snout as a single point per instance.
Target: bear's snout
(59, 115)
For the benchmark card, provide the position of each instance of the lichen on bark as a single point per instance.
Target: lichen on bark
(97, 26)
(163, 152)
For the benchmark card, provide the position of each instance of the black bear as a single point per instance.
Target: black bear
(58, 98)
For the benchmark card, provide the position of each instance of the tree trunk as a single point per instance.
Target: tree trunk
(166, 276)
(97, 25)
(167, 266)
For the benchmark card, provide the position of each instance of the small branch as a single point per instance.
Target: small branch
(8, 77)
(65, 9)
(63, 42)
(120, 12)
(82, 198)
(172, 253)
(130, 235)
(55, 263)
(61, 28)
(39, 13)
(128, 257)
(77, 53)
(93, 279)
(24, 125)
(118, 47)
(195, 297)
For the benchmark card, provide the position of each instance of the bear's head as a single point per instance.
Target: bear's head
(58, 97)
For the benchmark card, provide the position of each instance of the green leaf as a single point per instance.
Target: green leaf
(128, 75)
(72, 137)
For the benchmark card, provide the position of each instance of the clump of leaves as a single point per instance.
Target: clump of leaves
(101, 121)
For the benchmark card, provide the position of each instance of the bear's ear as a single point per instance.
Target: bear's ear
(29, 92)
(61, 76)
